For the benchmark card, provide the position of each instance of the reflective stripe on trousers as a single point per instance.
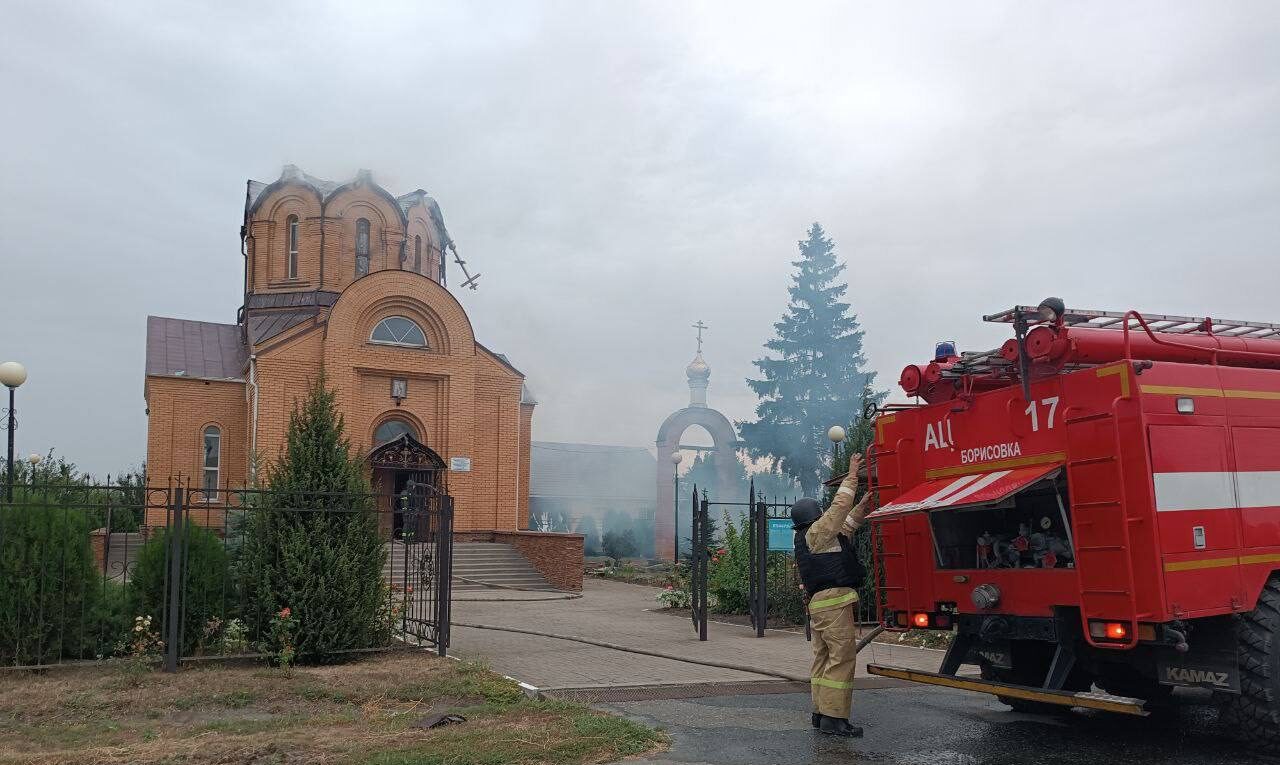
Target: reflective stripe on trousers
(835, 650)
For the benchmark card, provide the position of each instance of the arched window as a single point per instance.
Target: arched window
(391, 430)
(362, 247)
(212, 464)
(417, 254)
(291, 232)
(397, 330)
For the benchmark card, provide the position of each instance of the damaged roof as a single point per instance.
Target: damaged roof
(405, 202)
(200, 349)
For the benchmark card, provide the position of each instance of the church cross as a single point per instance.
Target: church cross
(700, 326)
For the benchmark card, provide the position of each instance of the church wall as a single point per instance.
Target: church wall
(466, 403)
(178, 412)
(421, 227)
(328, 231)
(267, 241)
(386, 234)
(284, 374)
(526, 450)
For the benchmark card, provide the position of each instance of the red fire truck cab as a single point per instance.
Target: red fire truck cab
(1096, 503)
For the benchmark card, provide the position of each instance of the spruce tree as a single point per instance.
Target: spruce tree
(815, 378)
(312, 543)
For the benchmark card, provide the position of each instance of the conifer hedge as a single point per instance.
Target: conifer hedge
(312, 543)
(50, 593)
(206, 587)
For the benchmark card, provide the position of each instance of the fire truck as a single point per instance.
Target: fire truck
(1094, 510)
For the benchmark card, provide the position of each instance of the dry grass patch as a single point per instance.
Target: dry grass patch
(363, 712)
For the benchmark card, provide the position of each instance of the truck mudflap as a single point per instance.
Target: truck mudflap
(1103, 701)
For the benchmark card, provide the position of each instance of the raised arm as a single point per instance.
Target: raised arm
(843, 517)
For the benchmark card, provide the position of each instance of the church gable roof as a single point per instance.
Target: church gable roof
(268, 324)
(199, 349)
(501, 358)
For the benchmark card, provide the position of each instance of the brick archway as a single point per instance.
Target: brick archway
(725, 440)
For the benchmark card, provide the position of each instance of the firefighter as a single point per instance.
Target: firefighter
(831, 573)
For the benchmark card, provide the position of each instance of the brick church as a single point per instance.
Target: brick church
(348, 278)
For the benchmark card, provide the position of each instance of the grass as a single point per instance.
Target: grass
(359, 713)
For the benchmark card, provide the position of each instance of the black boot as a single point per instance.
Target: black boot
(816, 719)
(834, 726)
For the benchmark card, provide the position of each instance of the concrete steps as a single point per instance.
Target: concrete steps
(493, 563)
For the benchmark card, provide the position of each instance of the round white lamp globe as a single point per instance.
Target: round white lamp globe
(836, 434)
(12, 374)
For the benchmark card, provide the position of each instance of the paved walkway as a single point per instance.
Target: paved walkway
(621, 614)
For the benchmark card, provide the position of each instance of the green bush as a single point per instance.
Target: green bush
(312, 544)
(785, 598)
(618, 545)
(206, 585)
(50, 590)
(728, 575)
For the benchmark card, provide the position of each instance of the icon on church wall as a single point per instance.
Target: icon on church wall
(399, 389)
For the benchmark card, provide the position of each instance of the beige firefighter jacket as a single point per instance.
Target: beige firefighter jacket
(842, 517)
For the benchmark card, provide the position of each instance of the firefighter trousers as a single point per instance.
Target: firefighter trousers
(835, 650)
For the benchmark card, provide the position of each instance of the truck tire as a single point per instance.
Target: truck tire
(1256, 711)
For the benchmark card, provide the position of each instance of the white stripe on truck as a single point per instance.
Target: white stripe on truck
(1217, 490)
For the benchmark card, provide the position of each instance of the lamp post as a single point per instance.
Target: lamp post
(34, 461)
(12, 374)
(675, 508)
(836, 434)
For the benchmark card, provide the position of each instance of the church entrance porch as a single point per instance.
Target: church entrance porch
(410, 478)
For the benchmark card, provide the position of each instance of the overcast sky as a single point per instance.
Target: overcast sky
(619, 170)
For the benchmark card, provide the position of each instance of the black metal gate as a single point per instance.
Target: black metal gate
(699, 555)
(422, 562)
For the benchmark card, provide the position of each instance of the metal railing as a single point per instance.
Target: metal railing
(170, 573)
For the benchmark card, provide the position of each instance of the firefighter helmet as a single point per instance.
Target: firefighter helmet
(804, 512)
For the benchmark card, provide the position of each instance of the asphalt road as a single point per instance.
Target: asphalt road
(917, 725)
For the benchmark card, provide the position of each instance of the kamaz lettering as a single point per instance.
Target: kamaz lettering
(1183, 676)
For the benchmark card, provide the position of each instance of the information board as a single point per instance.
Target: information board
(781, 535)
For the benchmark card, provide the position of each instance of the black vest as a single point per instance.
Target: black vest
(822, 571)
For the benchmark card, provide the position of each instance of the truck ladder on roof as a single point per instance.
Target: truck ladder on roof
(991, 362)
(1158, 322)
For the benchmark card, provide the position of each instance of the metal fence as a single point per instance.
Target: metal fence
(176, 574)
(768, 571)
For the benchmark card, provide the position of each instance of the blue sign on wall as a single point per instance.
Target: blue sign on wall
(781, 536)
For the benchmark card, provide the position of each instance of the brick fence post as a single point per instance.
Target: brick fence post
(98, 543)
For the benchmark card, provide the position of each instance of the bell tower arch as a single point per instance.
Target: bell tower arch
(724, 450)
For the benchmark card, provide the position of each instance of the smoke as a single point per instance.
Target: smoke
(617, 172)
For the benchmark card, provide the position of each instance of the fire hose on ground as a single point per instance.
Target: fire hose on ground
(862, 643)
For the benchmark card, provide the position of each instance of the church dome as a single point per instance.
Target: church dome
(698, 369)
